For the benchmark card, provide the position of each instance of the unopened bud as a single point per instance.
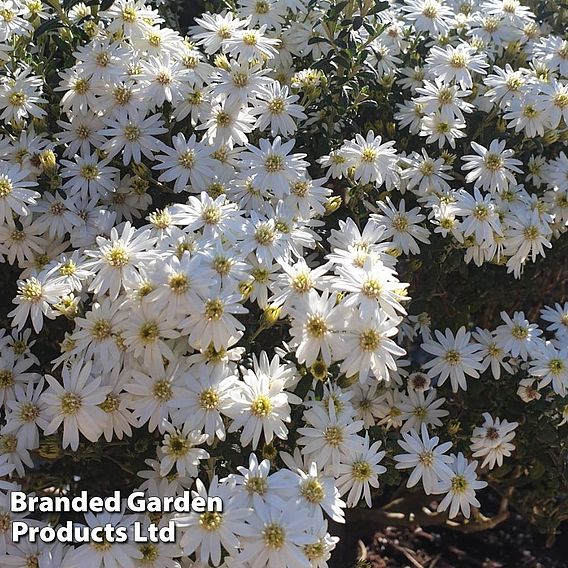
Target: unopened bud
(222, 62)
(269, 452)
(91, 28)
(49, 448)
(271, 315)
(454, 427)
(140, 169)
(346, 381)
(550, 137)
(332, 204)
(245, 288)
(48, 162)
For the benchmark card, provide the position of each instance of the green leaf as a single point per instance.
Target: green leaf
(378, 7)
(48, 26)
(68, 4)
(336, 10)
(105, 5)
(318, 39)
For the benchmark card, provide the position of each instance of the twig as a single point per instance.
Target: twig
(409, 557)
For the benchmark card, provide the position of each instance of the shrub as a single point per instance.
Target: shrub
(304, 256)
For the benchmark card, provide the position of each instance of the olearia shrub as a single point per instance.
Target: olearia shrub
(307, 256)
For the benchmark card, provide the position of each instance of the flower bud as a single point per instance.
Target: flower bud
(245, 288)
(222, 62)
(49, 448)
(269, 452)
(48, 162)
(271, 315)
(454, 427)
(332, 204)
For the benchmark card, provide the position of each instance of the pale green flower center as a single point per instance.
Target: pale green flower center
(361, 470)
(177, 446)
(459, 484)
(149, 332)
(257, 485)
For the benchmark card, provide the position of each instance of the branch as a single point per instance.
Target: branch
(405, 512)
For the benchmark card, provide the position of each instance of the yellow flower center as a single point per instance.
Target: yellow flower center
(274, 163)
(369, 340)
(177, 446)
(162, 390)
(32, 291)
(261, 406)
(17, 99)
(265, 234)
(102, 329)
(452, 357)
(250, 38)
(371, 288)
(210, 520)
(312, 491)
(531, 233)
(493, 162)
(214, 309)
(81, 86)
(276, 105)
(556, 366)
(426, 458)
(29, 412)
(316, 326)
(122, 95)
(274, 536)
(187, 159)
(129, 14)
(111, 403)
(149, 332)
(223, 119)
(209, 399)
(150, 553)
(89, 172)
(333, 435)
(6, 378)
(71, 403)
(117, 256)
(6, 187)
(458, 60)
(368, 155)
(400, 223)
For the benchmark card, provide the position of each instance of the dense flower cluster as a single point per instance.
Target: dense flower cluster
(172, 210)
